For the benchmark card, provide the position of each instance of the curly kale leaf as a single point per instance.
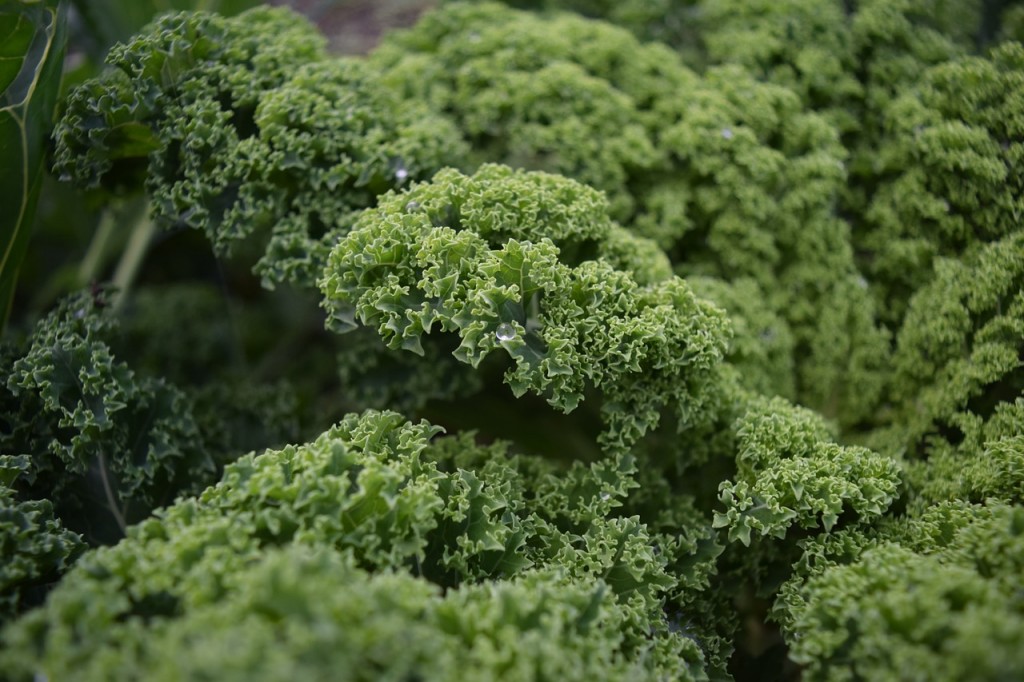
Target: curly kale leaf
(376, 489)
(936, 597)
(804, 45)
(309, 612)
(752, 191)
(191, 72)
(245, 127)
(331, 140)
(958, 365)
(745, 182)
(950, 175)
(791, 474)
(988, 463)
(104, 441)
(557, 93)
(37, 549)
(907, 615)
(761, 348)
(665, 21)
(852, 66)
(105, 445)
(518, 263)
(844, 62)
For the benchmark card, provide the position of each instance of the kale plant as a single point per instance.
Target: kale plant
(556, 340)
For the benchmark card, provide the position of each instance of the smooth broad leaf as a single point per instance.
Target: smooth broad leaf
(32, 42)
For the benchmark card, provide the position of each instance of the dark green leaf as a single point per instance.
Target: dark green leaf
(32, 41)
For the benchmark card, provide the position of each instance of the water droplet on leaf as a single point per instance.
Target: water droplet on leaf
(412, 206)
(505, 332)
(727, 133)
(401, 174)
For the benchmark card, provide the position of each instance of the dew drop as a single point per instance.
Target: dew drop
(505, 332)
(80, 313)
(727, 133)
(412, 206)
(606, 496)
(401, 174)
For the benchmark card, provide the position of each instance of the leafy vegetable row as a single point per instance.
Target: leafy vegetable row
(771, 282)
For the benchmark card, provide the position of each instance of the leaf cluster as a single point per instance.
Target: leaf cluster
(726, 333)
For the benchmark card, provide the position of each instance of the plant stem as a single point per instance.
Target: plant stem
(111, 498)
(89, 268)
(131, 259)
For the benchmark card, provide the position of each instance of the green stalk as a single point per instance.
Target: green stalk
(108, 491)
(132, 258)
(88, 269)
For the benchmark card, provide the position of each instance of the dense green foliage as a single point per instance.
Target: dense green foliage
(731, 176)
(376, 491)
(527, 348)
(30, 63)
(531, 264)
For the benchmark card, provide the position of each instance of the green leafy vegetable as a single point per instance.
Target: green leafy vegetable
(790, 474)
(521, 348)
(37, 549)
(372, 493)
(503, 260)
(33, 37)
